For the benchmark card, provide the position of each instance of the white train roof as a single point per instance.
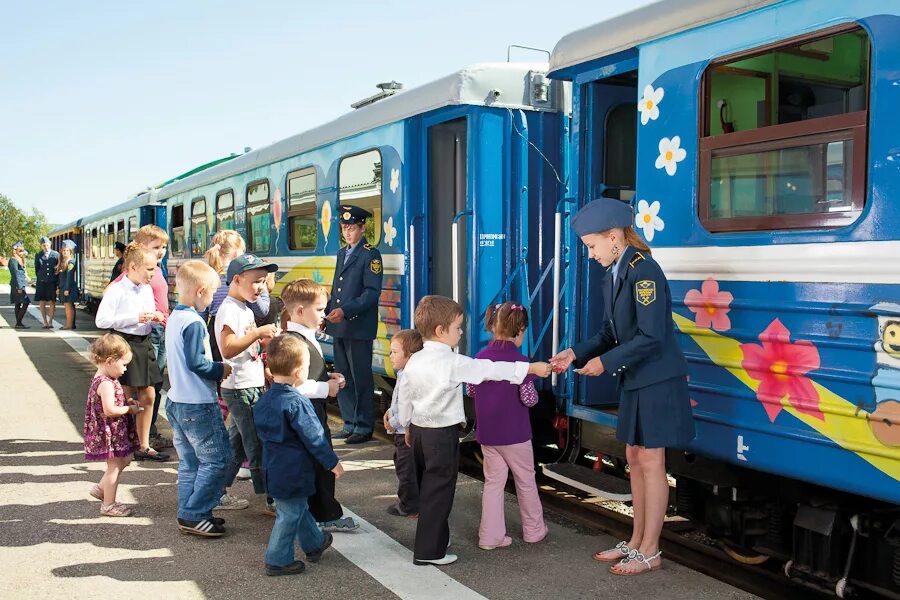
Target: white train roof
(641, 25)
(470, 86)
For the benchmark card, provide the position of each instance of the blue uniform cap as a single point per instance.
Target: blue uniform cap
(349, 214)
(71, 245)
(247, 262)
(602, 214)
(18, 245)
(45, 239)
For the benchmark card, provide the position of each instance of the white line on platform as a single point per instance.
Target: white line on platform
(72, 338)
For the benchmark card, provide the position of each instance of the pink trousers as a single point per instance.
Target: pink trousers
(498, 462)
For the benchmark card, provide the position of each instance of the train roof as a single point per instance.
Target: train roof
(650, 22)
(470, 86)
(142, 199)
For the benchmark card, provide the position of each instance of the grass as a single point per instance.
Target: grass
(4, 274)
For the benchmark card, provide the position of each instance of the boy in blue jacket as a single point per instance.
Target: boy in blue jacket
(293, 440)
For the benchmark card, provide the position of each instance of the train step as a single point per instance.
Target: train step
(590, 481)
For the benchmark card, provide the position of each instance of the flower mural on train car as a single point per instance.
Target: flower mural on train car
(325, 220)
(710, 305)
(670, 154)
(390, 232)
(395, 180)
(647, 219)
(781, 367)
(649, 104)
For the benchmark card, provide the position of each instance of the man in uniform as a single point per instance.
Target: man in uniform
(352, 320)
(45, 263)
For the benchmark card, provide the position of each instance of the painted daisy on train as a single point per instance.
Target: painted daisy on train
(670, 154)
(390, 232)
(647, 219)
(649, 104)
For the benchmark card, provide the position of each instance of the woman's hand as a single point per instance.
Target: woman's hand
(563, 360)
(593, 368)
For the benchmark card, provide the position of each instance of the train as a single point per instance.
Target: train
(752, 138)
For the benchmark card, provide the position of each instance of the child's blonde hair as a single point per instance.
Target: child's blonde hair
(226, 245)
(137, 255)
(410, 340)
(108, 346)
(506, 320)
(148, 234)
(194, 274)
(286, 353)
(301, 292)
(434, 311)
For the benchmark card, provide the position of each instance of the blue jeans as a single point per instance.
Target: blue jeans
(242, 433)
(205, 454)
(292, 520)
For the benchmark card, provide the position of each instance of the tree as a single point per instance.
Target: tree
(16, 225)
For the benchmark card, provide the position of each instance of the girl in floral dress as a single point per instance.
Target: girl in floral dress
(109, 431)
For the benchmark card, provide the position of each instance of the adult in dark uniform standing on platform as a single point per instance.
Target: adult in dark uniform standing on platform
(45, 264)
(637, 346)
(352, 320)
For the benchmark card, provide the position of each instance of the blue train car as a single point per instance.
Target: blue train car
(757, 142)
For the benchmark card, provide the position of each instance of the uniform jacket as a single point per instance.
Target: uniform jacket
(356, 289)
(45, 266)
(637, 341)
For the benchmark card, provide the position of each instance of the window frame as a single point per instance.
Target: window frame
(219, 211)
(291, 214)
(850, 126)
(176, 231)
(198, 219)
(248, 221)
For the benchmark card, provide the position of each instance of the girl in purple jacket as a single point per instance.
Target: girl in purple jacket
(503, 428)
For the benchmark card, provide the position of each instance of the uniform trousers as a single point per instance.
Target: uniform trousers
(322, 505)
(436, 456)
(498, 462)
(405, 467)
(353, 360)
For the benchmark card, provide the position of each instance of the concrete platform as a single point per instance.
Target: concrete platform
(53, 543)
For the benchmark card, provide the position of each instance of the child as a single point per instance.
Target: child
(227, 245)
(128, 309)
(68, 288)
(431, 400)
(304, 302)
(294, 440)
(404, 344)
(504, 432)
(238, 339)
(200, 437)
(109, 432)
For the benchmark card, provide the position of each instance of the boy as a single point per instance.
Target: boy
(293, 440)
(404, 344)
(304, 303)
(239, 338)
(201, 440)
(431, 409)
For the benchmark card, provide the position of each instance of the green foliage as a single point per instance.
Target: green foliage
(15, 225)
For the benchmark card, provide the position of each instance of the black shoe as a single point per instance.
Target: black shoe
(358, 438)
(218, 521)
(293, 569)
(315, 555)
(22, 326)
(204, 528)
(394, 509)
(154, 456)
(341, 435)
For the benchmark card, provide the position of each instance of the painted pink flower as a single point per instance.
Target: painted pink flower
(710, 305)
(780, 367)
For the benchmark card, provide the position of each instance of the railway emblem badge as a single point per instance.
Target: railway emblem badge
(645, 292)
(375, 266)
(346, 216)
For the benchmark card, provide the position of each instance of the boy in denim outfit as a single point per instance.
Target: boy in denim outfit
(293, 441)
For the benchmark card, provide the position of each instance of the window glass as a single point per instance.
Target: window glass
(110, 239)
(359, 183)
(225, 211)
(177, 239)
(259, 225)
(199, 231)
(120, 232)
(95, 245)
(302, 224)
(132, 228)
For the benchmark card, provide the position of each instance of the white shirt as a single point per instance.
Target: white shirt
(247, 369)
(310, 388)
(122, 305)
(430, 393)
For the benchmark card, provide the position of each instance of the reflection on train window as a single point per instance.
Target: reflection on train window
(225, 210)
(359, 183)
(785, 134)
(303, 228)
(198, 226)
(110, 240)
(120, 232)
(177, 239)
(101, 241)
(132, 228)
(95, 246)
(259, 225)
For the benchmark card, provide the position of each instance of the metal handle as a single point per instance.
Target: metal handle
(557, 259)
(454, 238)
(412, 274)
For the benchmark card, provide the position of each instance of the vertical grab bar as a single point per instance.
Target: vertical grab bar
(412, 275)
(557, 260)
(454, 240)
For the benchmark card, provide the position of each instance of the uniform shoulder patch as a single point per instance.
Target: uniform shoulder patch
(638, 257)
(375, 266)
(645, 292)
(368, 246)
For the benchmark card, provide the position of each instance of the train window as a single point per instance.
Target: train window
(120, 231)
(177, 238)
(198, 226)
(303, 228)
(359, 183)
(110, 240)
(225, 210)
(785, 131)
(132, 228)
(95, 245)
(259, 225)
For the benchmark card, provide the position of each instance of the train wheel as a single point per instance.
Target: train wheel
(739, 555)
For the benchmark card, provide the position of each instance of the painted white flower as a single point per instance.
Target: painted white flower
(395, 180)
(390, 232)
(670, 154)
(649, 104)
(647, 219)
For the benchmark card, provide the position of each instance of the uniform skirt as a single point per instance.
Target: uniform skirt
(656, 416)
(142, 371)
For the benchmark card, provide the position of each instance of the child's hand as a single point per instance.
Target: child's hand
(387, 422)
(226, 372)
(338, 471)
(266, 331)
(135, 409)
(145, 317)
(157, 316)
(333, 387)
(339, 378)
(541, 369)
(408, 438)
(268, 375)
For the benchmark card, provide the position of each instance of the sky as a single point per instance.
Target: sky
(100, 99)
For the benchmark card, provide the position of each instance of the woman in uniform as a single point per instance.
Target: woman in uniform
(637, 346)
(18, 279)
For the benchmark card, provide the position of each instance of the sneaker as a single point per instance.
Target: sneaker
(395, 510)
(269, 508)
(444, 560)
(204, 528)
(317, 554)
(243, 474)
(341, 435)
(160, 441)
(229, 502)
(294, 568)
(343, 524)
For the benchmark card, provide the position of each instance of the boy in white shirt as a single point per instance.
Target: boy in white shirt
(431, 409)
(238, 338)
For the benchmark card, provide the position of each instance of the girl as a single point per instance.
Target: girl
(504, 432)
(68, 290)
(128, 308)
(18, 279)
(637, 345)
(109, 432)
(227, 245)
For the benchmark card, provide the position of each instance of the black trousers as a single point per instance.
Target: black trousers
(21, 309)
(322, 505)
(353, 360)
(436, 455)
(405, 466)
